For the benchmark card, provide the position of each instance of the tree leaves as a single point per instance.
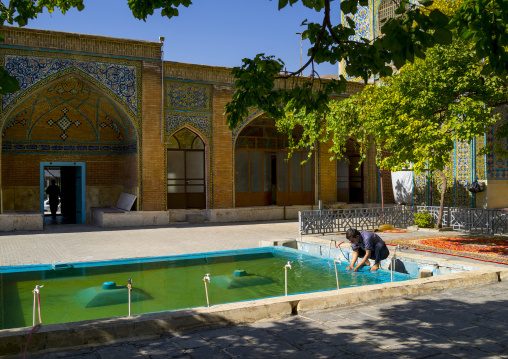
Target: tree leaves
(417, 116)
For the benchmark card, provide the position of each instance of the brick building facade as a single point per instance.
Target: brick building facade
(116, 118)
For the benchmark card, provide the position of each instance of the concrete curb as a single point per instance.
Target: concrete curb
(56, 337)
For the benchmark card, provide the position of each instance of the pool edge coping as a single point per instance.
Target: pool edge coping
(51, 337)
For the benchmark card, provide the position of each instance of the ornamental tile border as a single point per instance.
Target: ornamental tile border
(174, 121)
(31, 147)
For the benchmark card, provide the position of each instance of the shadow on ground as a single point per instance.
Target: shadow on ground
(464, 324)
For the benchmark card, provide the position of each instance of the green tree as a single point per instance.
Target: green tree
(482, 22)
(414, 117)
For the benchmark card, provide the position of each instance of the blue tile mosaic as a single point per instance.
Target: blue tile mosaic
(121, 78)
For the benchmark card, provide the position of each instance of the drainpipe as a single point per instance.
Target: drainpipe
(161, 40)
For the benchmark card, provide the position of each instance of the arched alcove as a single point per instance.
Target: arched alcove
(186, 171)
(70, 120)
(264, 175)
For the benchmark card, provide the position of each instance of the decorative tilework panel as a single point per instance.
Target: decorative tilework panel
(420, 189)
(69, 110)
(183, 96)
(481, 160)
(175, 121)
(241, 125)
(28, 147)
(497, 166)
(363, 21)
(120, 79)
(437, 182)
(463, 174)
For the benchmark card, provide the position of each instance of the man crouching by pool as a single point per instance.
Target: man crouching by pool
(366, 245)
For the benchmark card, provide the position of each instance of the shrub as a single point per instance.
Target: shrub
(424, 219)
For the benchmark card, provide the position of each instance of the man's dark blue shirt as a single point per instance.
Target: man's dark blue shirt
(368, 241)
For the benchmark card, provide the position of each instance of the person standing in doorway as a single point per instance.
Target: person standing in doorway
(53, 192)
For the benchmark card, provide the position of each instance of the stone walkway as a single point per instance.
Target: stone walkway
(84, 243)
(467, 323)
(470, 323)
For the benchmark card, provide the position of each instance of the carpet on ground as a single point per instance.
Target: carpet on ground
(490, 249)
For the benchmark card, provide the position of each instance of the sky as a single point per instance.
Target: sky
(209, 32)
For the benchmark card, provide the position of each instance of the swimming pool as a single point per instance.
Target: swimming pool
(75, 291)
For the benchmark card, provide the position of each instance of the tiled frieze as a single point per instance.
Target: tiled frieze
(68, 148)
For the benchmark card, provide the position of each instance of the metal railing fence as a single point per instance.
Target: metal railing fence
(473, 220)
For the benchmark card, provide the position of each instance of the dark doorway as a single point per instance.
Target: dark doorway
(349, 180)
(68, 190)
(355, 180)
(70, 180)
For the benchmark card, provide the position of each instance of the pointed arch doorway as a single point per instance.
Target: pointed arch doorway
(186, 187)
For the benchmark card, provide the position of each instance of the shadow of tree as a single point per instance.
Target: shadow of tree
(460, 323)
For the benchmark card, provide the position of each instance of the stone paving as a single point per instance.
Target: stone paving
(471, 323)
(83, 243)
(466, 323)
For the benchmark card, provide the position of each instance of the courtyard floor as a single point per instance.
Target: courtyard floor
(463, 323)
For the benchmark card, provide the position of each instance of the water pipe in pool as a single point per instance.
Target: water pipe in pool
(129, 287)
(37, 300)
(207, 278)
(338, 246)
(393, 260)
(336, 272)
(288, 265)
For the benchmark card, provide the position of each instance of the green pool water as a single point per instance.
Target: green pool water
(160, 284)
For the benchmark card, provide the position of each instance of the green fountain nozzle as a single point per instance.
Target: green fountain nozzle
(240, 273)
(110, 294)
(108, 285)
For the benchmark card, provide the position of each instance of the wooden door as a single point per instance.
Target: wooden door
(186, 179)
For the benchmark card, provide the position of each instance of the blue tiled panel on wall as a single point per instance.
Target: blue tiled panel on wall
(175, 121)
(184, 96)
(121, 78)
(497, 166)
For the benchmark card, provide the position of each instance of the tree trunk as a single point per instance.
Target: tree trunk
(441, 203)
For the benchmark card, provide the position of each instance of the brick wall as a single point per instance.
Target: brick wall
(327, 178)
(21, 176)
(152, 157)
(387, 187)
(222, 165)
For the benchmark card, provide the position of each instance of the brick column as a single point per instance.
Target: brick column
(222, 165)
(152, 150)
(327, 177)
